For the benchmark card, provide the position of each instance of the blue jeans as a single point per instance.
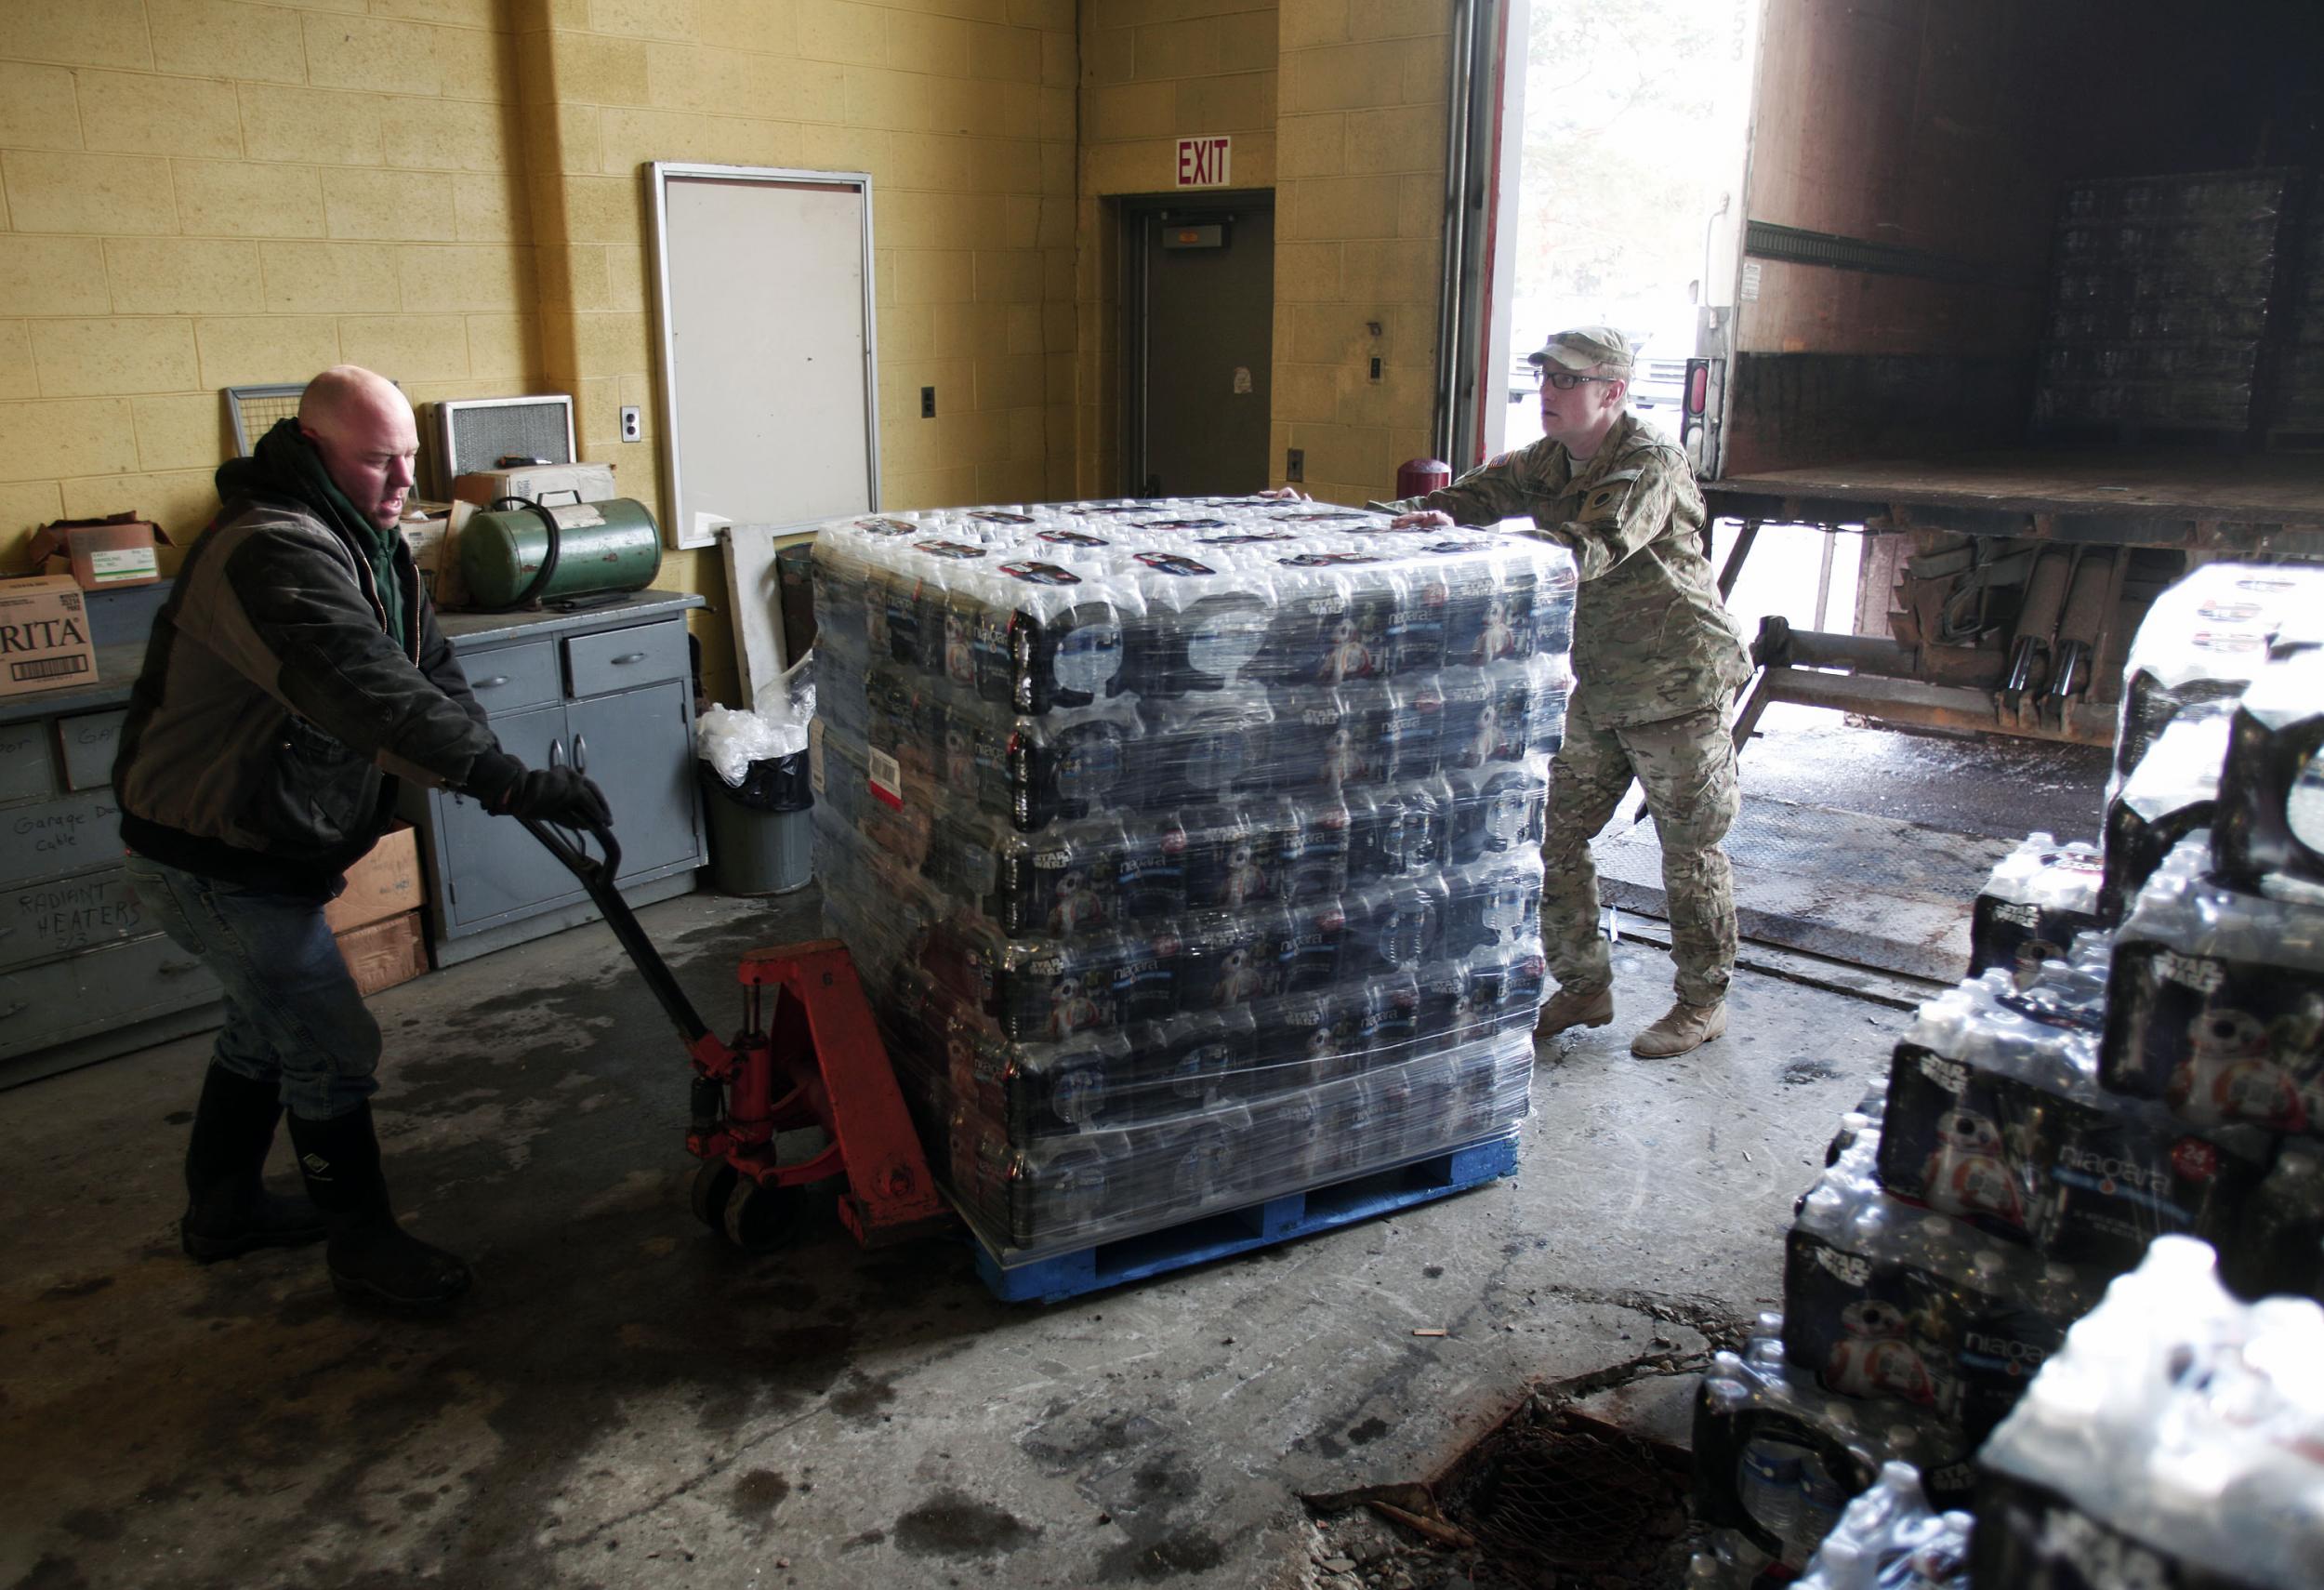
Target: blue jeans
(294, 1016)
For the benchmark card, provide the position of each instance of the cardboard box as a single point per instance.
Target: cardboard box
(384, 883)
(101, 554)
(43, 635)
(549, 485)
(385, 953)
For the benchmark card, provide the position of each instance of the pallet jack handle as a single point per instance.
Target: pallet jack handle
(597, 873)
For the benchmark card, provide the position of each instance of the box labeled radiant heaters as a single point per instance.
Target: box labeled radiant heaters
(1190, 850)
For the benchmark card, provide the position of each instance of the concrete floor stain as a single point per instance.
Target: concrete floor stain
(758, 1495)
(954, 1524)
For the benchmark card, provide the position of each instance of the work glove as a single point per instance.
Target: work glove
(556, 795)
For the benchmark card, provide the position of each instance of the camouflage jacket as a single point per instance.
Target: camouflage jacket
(1651, 638)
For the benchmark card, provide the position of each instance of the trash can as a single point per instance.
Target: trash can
(762, 837)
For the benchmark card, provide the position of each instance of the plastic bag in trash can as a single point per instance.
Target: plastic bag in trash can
(732, 740)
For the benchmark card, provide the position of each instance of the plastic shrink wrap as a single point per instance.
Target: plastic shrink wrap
(1890, 1539)
(2169, 795)
(2206, 639)
(1883, 1301)
(2176, 1443)
(1776, 1457)
(2038, 898)
(2216, 1002)
(2269, 831)
(1995, 1116)
(1190, 850)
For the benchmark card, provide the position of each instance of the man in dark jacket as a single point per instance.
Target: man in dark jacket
(295, 675)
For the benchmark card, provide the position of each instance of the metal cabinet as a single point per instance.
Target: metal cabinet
(611, 696)
(88, 970)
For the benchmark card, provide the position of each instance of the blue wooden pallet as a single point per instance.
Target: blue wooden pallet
(1061, 1276)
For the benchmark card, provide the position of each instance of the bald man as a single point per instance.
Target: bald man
(293, 677)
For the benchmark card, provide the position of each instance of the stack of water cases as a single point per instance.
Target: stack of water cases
(1189, 850)
(2139, 1061)
(2173, 1445)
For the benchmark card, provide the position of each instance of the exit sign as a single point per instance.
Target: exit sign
(1203, 162)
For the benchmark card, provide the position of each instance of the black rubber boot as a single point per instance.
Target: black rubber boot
(372, 1259)
(228, 1212)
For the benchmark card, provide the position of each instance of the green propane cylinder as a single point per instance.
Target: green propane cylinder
(517, 552)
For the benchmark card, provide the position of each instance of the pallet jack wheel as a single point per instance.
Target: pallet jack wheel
(760, 1219)
(713, 1184)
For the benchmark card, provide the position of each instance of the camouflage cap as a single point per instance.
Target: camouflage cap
(1584, 348)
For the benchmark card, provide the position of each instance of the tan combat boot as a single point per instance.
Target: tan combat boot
(1568, 1009)
(1682, 1028)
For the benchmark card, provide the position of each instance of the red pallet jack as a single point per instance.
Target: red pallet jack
(815, 1060)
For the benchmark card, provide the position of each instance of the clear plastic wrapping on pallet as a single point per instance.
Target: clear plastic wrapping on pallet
(1777, 1457)
(1995, 1116)
(1191, 851)
(1890, 1539)
(2177, 1443)
(2269, 830)
(2216, 1000)
(2042, 893)
(1885, 1301)
(2169, 795)
(2206, 639)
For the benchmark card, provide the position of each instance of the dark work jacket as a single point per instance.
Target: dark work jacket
(276, 712)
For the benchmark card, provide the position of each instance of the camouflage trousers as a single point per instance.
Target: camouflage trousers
(1687, 766)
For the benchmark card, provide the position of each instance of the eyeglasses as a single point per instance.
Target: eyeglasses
(1566, 380)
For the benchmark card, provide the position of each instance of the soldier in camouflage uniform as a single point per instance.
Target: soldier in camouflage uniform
(1657, 663)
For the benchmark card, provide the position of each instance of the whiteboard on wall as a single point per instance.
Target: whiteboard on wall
(769, 399)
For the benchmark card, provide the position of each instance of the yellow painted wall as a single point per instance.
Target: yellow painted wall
(1359, 224)
(962, 111)
(202, 194)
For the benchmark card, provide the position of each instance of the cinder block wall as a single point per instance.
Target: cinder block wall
(205, 193)
(202, 194)
(1359, 224)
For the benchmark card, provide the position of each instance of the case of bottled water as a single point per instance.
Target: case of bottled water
(1995, 1116)
(2172, 1445)
(1777, 1457)
(2041, 894)
(2216, 1000)
(1890, 1539)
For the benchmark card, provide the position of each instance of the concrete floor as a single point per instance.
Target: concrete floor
(626, 1400)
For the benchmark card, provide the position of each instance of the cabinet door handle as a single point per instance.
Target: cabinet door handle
(494, 683)
(178, 968)
(555, 753)
(629, 657)
(580, 753)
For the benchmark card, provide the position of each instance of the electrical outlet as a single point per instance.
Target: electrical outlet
(1294, 463)
(632, 422)
(1375, 367)
(928, 403)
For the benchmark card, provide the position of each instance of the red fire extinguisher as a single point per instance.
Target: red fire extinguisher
(1417, 477)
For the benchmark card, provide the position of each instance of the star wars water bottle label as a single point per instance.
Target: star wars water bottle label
(2031, 1538)
(2221, 1042)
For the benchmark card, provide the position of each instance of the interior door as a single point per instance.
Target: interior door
(1201, 335)
(491, 866)
(634, 743)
